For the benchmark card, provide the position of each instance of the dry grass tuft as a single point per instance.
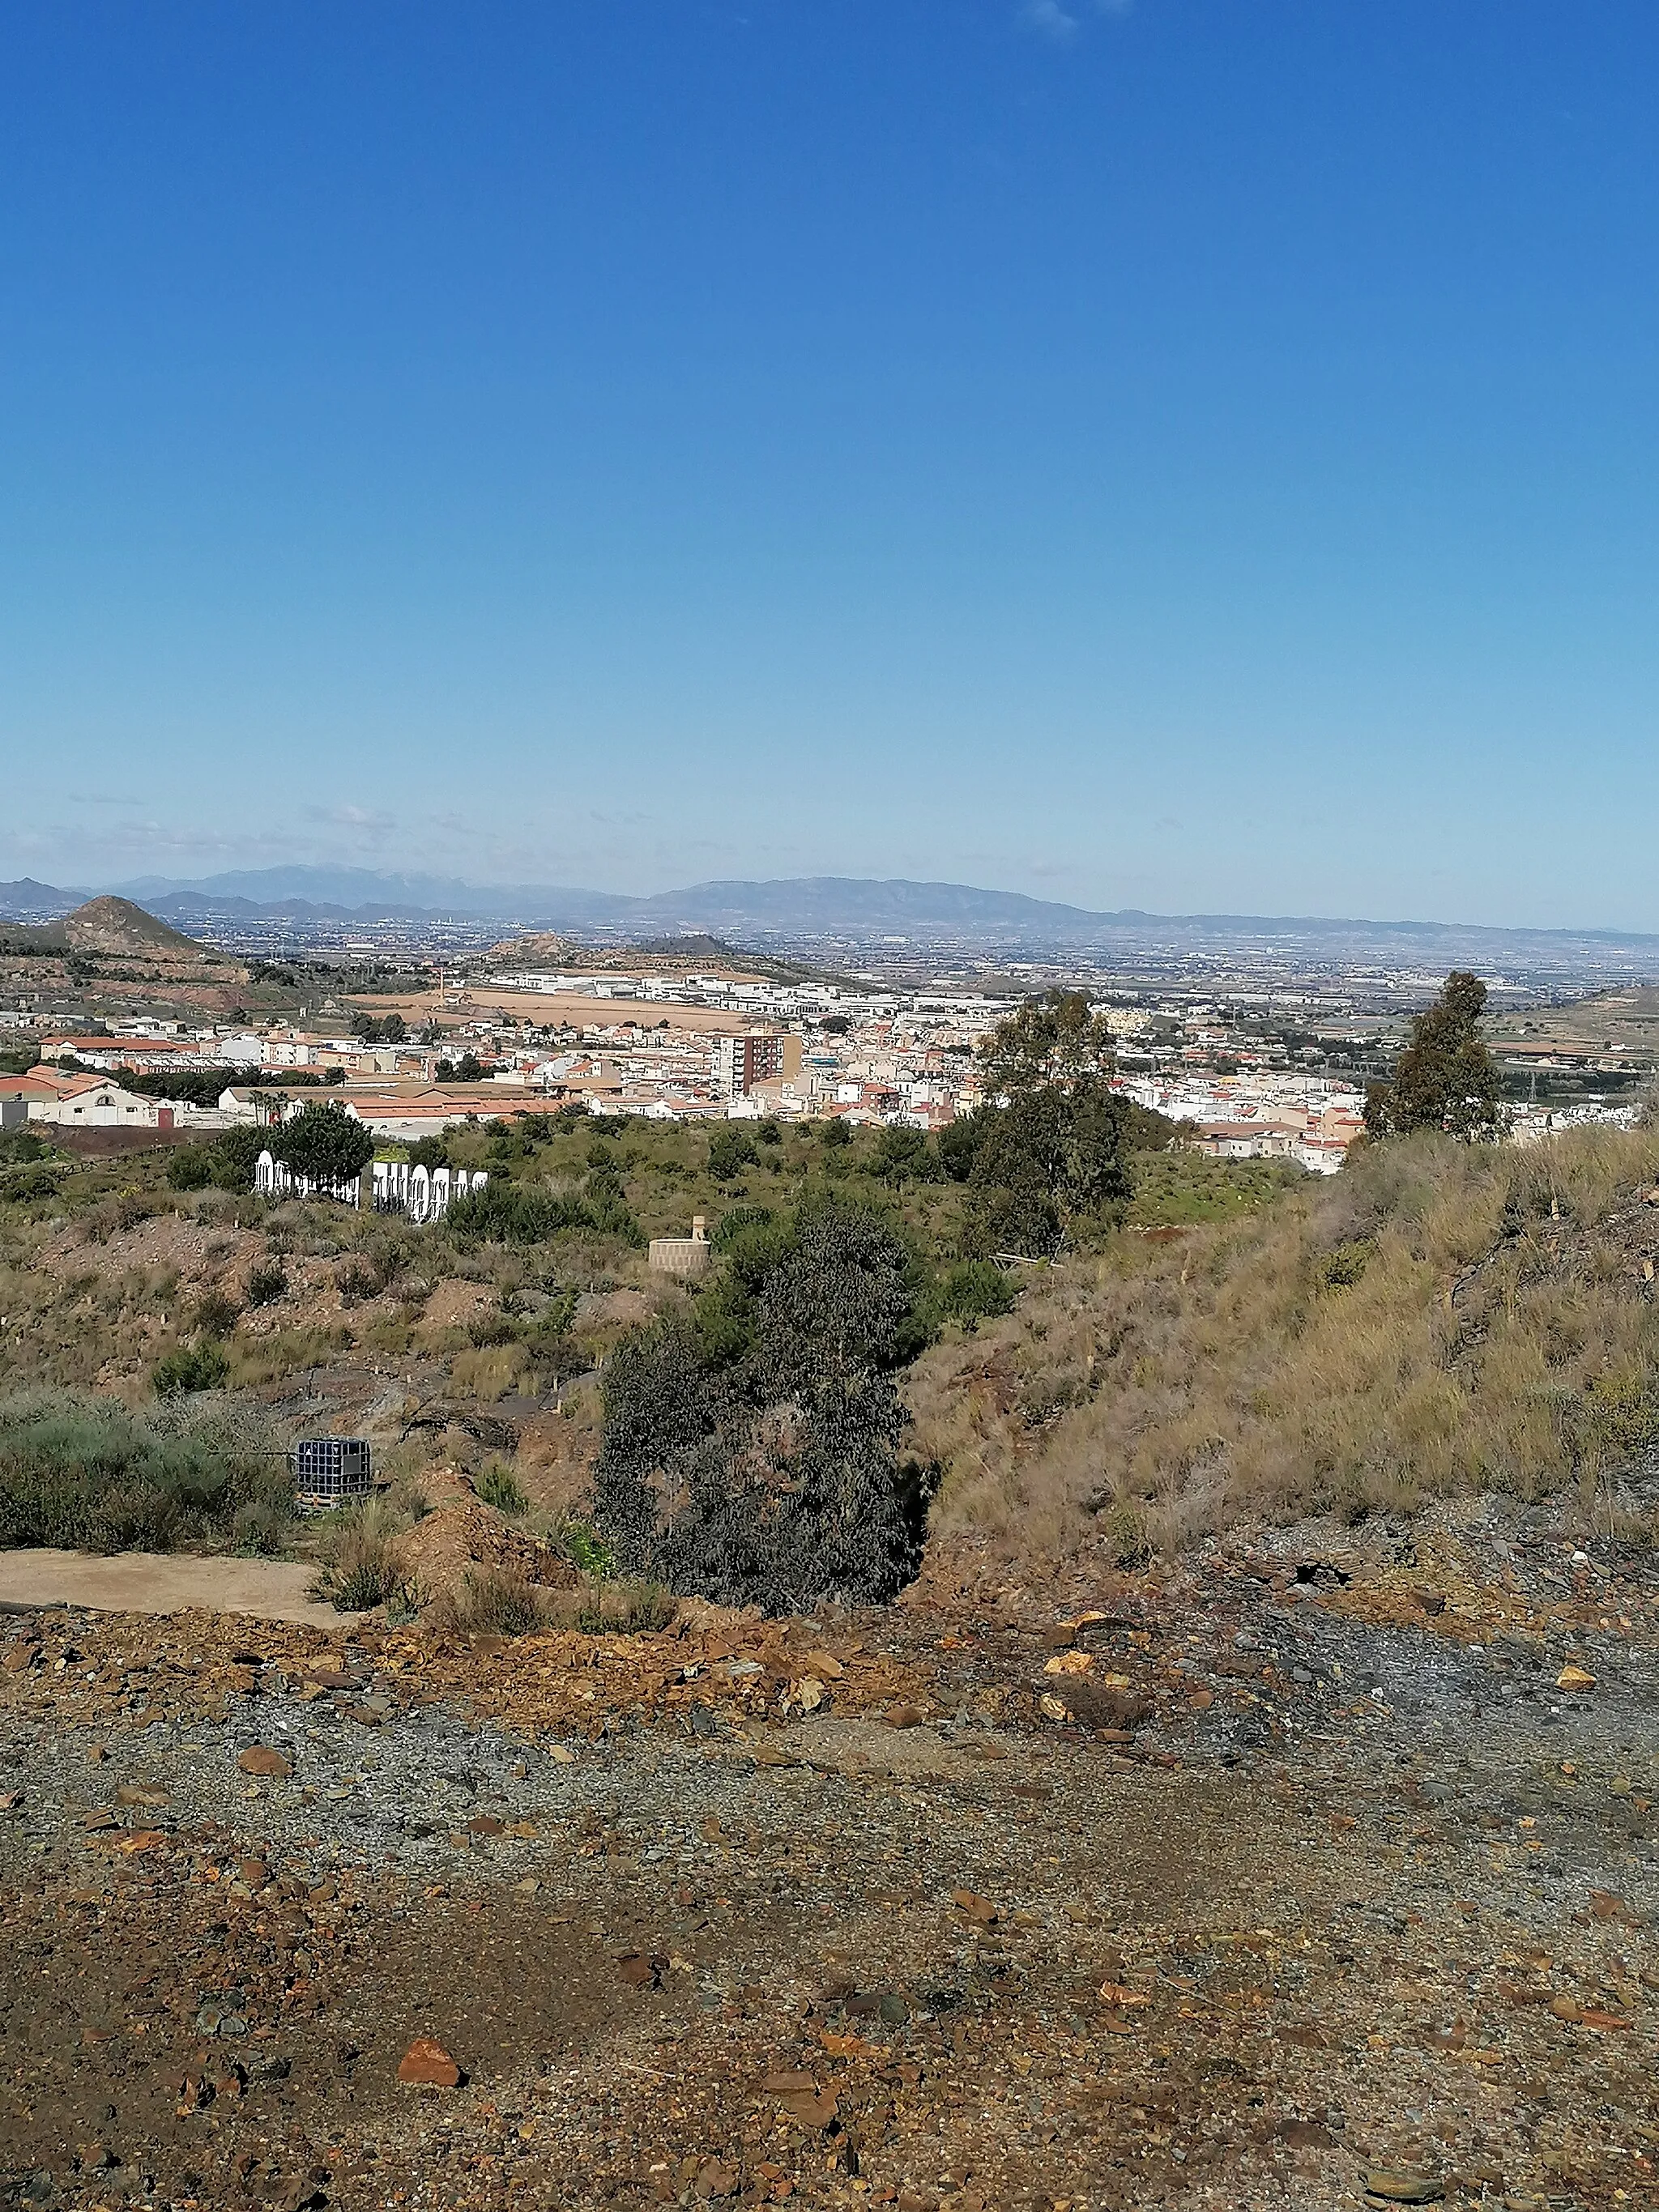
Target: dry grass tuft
(1437, 1319)
(503, 1601)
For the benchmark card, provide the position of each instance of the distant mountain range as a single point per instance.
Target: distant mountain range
(849, 909)
(815, 902)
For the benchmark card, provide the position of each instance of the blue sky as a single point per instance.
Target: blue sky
(1196, 454)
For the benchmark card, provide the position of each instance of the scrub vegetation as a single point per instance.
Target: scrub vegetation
(85, 1474)
(1441, 1318)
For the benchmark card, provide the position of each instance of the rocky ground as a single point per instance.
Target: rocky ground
(1319, 1871)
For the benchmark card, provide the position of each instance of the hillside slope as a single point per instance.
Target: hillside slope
(1438, 1320)
(117, 926)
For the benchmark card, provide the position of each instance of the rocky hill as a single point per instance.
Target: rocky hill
(117, 926)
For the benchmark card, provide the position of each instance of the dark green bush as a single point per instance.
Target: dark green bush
(972, 1290)
(191, 1168)
(215, 1314)
(730, 1228)
(731, 1149)
(29, 1182)
(513, 1213)
(189, 1367)
(509, 1214)
(904, 1155)
(760, 1463)
(266, 1284)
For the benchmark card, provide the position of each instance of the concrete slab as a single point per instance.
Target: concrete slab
(150, 1581)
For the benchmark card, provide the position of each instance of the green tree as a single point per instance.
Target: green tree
(904, 1155)
(959, 1142)
(1055, 1038)
(394, 1028)
(236, 1155)
(1445, 1078)
(730, 1150)
(323, 1144)
(1046, 1154)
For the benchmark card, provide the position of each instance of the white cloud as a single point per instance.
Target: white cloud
(361, 819)
(1054, 21)
(1050, 19)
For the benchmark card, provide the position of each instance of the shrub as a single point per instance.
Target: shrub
(216, 1313)
(587, 1551)
(80, 1471)
(632, 1606)
(261, 1530)
(779, 1453)
(904, 1155)
(266, 1284)
(493, 1601)
(133, 1517)
(191, 1168)
(27, 1182)
(729, 1228)
(509, 1214)
(356, 1281)
(188, 1367)
(609, 1212)
(731, 1149)
(499, 1486)
(362, 1558)
(972, 1290)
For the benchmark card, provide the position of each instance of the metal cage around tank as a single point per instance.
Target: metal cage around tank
(332, 1470)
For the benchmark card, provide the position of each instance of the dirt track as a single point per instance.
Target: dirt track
(1351, 1894)
(173, 1582)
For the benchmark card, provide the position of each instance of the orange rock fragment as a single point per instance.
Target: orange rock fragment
(428, 2065)
(260, 1758)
